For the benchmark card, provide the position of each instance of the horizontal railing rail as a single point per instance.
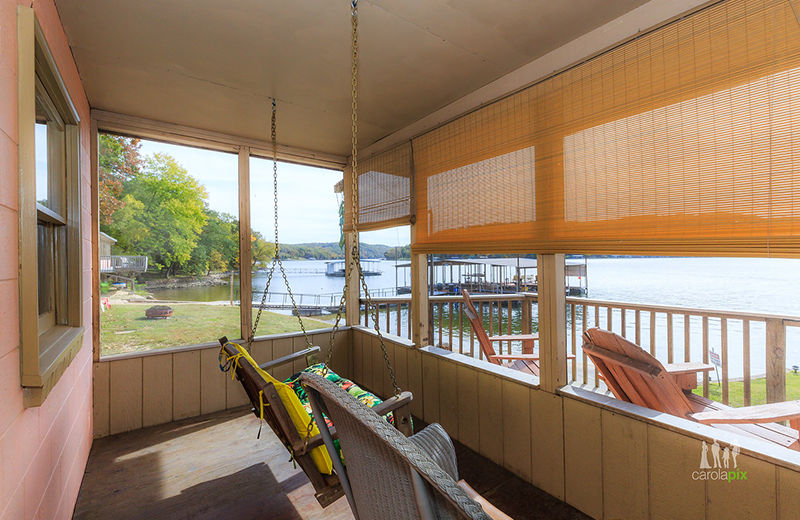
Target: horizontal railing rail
(123, 263)
(743, 346)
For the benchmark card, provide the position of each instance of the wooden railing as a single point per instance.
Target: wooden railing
(123, 264)
(502, 314)
(678, 334)
(671, 334)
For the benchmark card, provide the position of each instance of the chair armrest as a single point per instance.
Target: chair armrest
(289, 359)
(515, 337)
(393, 403)
(687, 368)
(763, 413)
(488, 508)
(533, 357)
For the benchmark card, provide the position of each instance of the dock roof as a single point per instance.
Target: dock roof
(573, 267)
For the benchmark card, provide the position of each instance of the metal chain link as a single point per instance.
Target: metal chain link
(355, 252)
(277, 258)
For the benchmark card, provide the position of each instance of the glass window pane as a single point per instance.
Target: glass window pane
(45, 261)
(41, 161)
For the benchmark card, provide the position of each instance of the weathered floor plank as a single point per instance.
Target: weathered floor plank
(207, 467)
(212, 467)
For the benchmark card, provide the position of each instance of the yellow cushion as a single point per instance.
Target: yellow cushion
(297, 413)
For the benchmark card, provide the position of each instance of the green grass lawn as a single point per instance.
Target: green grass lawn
(125, 329)
(758, 390)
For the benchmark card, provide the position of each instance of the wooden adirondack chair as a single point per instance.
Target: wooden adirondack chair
(327, 488)
(527, 362)
(633, 375)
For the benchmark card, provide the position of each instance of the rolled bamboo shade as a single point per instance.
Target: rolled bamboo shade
(684, 141)
(475, 178)
(384, 190)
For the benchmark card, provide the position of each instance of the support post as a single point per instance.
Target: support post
(776, 361)
(94, 147)
(420, 309)
(552, 322)
(353, 309)
(245, 246)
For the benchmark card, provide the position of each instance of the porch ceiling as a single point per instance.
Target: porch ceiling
(214, 64)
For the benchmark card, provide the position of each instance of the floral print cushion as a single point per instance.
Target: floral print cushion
(348, 386)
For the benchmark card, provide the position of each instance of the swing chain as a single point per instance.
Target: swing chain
(354, 194)
(274, 135)
(277, 258)
(260, 309)
(355, 253)
(296, 310)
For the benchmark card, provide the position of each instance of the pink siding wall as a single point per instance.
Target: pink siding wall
(43, 451)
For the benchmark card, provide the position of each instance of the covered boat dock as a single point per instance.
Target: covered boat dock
(510, 275)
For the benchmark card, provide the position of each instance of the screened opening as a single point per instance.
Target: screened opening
(169, 245)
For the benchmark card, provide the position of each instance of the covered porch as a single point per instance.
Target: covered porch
(578, 452)
(585, 132)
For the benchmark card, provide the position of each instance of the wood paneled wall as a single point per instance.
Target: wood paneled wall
(133, 391)
(607, 458)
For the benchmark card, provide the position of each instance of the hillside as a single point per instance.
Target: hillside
(329, 251)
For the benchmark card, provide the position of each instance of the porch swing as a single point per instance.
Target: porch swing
(284, 405)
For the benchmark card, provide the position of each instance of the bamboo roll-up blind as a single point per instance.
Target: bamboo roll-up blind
(683, 141)
(384, 190)
(475, 178)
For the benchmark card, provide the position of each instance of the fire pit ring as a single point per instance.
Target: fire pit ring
(158, 311)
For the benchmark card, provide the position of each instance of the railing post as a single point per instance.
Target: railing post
(420, 310)
(552, 322)
(776, 361)
(527, 324)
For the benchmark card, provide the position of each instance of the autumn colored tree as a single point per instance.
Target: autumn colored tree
(120, 161)
(162, 215)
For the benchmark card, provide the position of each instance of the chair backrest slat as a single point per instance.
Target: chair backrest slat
(643, 380)
(476, 322)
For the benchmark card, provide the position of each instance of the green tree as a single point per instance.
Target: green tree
(119, 161)
(261, 251)
(218, 245)
(168, 214)
(402, 252)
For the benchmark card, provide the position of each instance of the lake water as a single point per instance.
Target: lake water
(730, 284)
(762, 285)
(301, 283)
(742, 284)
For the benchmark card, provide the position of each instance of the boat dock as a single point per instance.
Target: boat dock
(368, 267)
(448, 276)
(313, 304)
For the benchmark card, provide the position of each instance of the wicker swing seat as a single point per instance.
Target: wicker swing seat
(388, 475)
(265, 399)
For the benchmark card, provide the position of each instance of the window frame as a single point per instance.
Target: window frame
(47, 347)
(50, 217)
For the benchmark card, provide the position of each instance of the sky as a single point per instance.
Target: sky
(307, 205)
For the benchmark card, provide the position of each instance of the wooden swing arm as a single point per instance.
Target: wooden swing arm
(291, 358)
(393, 404)
(309, 353)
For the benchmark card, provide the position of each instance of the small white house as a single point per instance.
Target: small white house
(105, 242)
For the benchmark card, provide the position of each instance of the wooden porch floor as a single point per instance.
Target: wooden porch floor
(213, 467)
